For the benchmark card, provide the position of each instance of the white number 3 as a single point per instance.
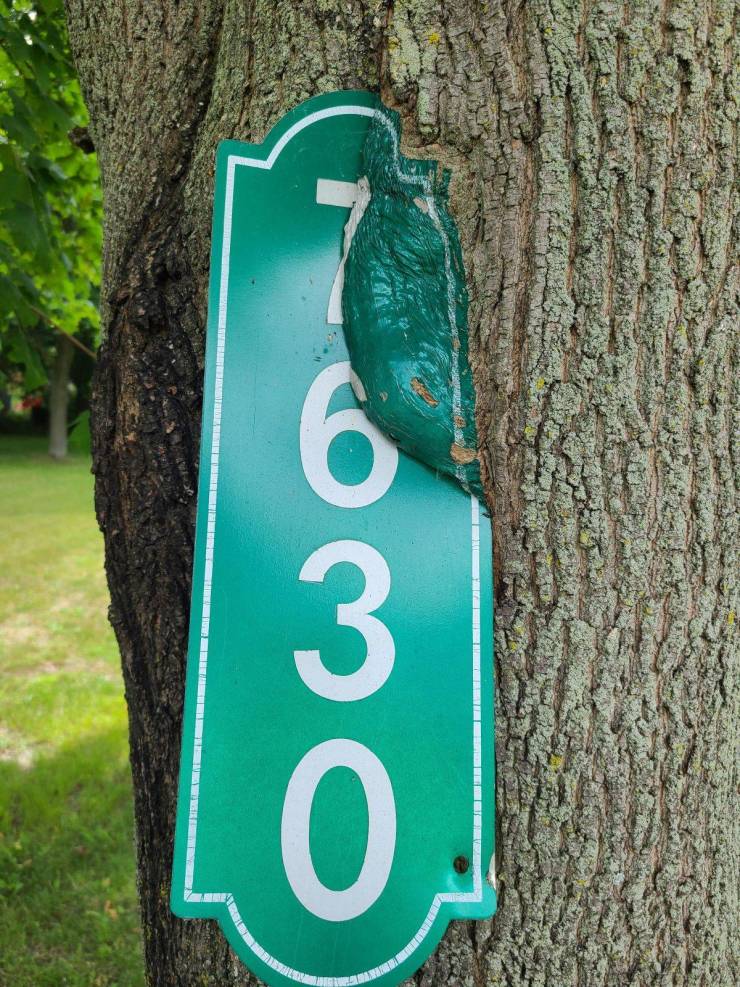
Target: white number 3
(381, 651)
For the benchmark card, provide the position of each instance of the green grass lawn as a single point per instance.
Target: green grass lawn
(68, 912)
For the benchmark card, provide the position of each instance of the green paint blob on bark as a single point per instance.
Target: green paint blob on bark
(405, 308)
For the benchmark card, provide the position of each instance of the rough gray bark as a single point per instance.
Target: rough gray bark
(594, 149)
(59, 398)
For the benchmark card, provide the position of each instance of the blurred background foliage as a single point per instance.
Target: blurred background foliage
(50, 224)
(68, 910)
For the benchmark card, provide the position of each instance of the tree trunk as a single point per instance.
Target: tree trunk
(593, 149)
(59, 398)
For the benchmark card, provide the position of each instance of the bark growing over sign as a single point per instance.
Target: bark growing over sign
(594, 151)
(405, 308)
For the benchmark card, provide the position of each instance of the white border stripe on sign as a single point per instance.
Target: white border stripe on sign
(216, 896)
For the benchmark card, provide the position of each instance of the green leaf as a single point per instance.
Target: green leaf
(79, 436)
(21, 352)
(23, 222)
(15, 182)
(14, 302)
(18, 126)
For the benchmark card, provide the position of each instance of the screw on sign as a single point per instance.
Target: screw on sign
(336, 793)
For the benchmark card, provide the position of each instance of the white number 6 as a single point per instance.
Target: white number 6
(318, 431)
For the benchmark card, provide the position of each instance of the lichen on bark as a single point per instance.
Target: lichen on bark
(594, 154)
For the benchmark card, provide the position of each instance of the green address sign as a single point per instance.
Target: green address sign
(336, 803)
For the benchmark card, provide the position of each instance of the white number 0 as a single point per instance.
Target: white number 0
(318, 431)
(338, 906)
(381, 650)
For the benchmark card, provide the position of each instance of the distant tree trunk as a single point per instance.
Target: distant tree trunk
(593, 149)
(59, 397)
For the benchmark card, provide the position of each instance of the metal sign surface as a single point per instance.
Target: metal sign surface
(336, 803)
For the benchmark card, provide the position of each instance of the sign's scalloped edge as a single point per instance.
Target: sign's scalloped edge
(346, 97)
(217, 907)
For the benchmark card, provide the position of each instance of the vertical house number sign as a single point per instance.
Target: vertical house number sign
(336, 804)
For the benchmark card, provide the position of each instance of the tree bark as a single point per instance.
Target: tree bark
(59, 398)
(593, 149)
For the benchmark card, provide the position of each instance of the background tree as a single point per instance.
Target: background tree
(50, 210)
(593, 148)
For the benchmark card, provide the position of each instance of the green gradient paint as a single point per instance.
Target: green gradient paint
(337, 750)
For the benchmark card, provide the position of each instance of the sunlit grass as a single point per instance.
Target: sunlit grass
(68, 913)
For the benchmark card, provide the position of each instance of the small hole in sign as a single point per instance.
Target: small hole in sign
(461, 864)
